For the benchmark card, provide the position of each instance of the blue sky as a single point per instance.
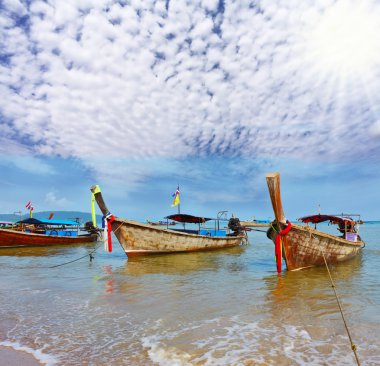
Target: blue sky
(139, 96)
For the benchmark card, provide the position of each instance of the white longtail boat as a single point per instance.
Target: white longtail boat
(141, 239)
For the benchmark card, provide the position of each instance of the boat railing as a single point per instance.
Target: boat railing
(208, 230)
(58, 230)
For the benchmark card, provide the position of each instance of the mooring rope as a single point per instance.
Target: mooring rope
(353, 346)
(77, 259)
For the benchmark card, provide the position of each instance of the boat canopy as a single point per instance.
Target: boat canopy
(48, 222)
(315, 219)
(188, 218)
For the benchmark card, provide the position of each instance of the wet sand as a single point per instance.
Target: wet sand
(11, 357)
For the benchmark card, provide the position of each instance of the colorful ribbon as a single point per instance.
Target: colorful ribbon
(278, 246)
(107, 225)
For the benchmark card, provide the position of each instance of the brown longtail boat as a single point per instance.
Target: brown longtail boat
(37, 233)
(141, 239)
(303, 246)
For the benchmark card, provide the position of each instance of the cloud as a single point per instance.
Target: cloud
(15, 154)
(108, 83)
(375, 129)
(53, 201)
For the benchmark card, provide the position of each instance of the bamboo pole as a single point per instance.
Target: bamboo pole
(273, 182)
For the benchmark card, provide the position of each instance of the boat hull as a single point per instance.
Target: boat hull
(12, 239)
(305, 247)
(142, 239)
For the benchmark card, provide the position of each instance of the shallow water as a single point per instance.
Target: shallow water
(224, 307)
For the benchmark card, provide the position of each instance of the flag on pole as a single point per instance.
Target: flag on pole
(30, 208)
(176, 200)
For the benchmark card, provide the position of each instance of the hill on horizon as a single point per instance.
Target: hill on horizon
(58, 215)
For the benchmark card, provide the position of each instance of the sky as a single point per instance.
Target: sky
(143, 96)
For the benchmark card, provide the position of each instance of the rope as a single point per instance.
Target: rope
(353, 346)
(246, 241)
(278, 245)
(75, 260)
(118, 228)
(262, 231)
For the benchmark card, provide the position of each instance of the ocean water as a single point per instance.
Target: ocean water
(226, 307)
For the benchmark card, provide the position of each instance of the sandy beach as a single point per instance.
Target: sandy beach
(11, 357)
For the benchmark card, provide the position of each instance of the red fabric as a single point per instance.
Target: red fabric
(278, 247)
(109, 231)
(315, 219)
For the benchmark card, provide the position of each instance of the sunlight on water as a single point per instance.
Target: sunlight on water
(226, 307)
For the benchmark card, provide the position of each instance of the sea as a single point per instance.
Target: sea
(80, 305)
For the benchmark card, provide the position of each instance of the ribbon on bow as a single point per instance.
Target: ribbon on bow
(107, 225)
(278, 245)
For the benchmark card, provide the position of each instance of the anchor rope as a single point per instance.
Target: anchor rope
(353, 346)
(77, 259)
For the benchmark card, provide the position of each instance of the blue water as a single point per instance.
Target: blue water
(225, 307)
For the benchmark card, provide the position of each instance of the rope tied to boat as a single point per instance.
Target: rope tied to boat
(91, 256)
(353, 345)
(278, 245)
(107, 221)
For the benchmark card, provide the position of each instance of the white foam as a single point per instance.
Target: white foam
(233, 341)
(163, 355)
(44, 358)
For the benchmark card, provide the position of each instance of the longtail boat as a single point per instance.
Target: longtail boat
(302, 246)
(141, 239)
(37, 233)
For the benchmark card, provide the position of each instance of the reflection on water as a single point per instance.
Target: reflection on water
(310, 290)
(44, 251)
(292, 283)
(179, 263)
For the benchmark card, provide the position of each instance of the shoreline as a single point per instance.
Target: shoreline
(10, 357)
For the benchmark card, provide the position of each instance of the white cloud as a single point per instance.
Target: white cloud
(17, 155)
(95, 80)
(52, 200)
(375, 129)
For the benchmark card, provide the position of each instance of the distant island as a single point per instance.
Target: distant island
(82, 217)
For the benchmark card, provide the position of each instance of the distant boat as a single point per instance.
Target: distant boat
(304, 246)
(33, 232)
(161, 223)
(254, 223)
(141, 239)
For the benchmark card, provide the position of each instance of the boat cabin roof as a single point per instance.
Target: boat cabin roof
(48, 222)
(188, 218)
(315, 219)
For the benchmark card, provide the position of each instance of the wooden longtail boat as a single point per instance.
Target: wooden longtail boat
(304, 246)
(37, 233)
(141, 239)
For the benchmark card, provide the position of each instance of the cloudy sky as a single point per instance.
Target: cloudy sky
(139, 96)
